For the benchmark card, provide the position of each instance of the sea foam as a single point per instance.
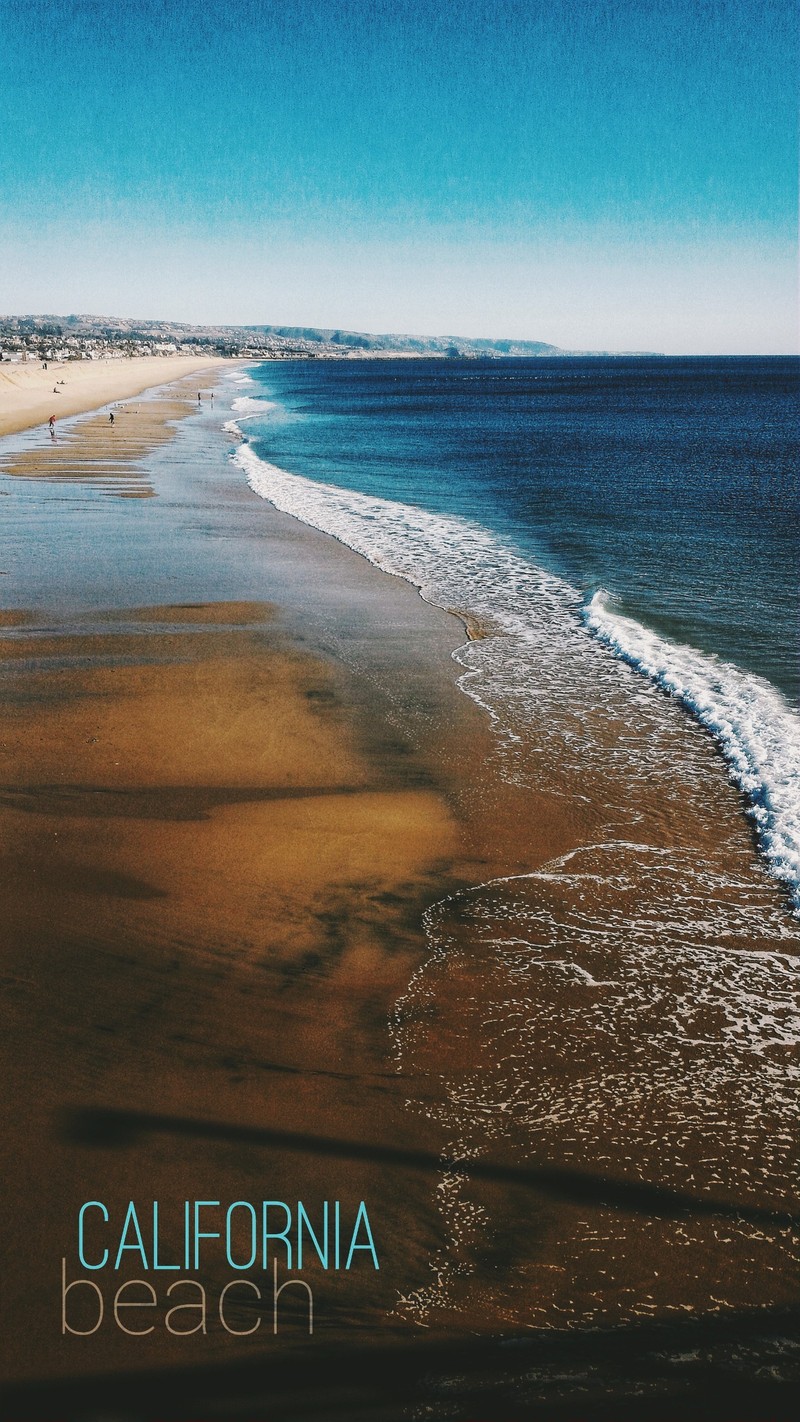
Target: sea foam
(621, 997)
(755, 728)
(249, 405)
(541, 667)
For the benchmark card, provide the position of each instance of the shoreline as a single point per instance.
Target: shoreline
(654, 847)
(28, 398)
(248, 802)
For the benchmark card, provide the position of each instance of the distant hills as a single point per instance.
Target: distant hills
(359, 341)
(81, 337)
(58, 337)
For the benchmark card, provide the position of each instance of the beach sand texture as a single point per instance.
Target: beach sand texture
(218, 847)
(111, 456)
(224, 816)
(29, 394)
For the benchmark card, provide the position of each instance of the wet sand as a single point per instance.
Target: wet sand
(212, 896)
(237, 770)
(221, 831)
(111, 456)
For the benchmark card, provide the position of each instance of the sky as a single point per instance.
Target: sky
(612, 174)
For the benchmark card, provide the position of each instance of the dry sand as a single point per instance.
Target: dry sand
(29, 395)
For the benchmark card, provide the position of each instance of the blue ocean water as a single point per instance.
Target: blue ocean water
(672, 484)
(616, 530)
(647, 507)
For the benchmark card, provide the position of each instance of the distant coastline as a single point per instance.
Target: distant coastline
(48, 337)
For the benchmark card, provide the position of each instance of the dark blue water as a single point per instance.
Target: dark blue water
(671, 483)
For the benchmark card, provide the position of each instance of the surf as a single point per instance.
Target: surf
(542, 636)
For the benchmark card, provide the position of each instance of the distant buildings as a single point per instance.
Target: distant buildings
(59, 338)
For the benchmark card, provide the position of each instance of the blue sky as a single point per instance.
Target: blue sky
(616, 175)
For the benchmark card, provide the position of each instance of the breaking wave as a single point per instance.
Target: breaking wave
(538, 667)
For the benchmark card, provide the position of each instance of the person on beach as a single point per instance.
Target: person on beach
(52, 423)
(111, 417)
(199, 397)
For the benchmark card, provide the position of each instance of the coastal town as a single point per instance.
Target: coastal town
(62, 338)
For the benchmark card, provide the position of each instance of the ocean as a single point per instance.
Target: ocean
(620, 538)
(606, 999)
(670, 484)
(654, 500)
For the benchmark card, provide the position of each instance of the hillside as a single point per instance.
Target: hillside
(76, 337)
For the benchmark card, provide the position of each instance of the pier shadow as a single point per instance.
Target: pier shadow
(113, 1128)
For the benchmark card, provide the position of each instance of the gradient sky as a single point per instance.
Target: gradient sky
(616, 174)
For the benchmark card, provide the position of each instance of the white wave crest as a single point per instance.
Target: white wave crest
(248, 405)
(758, 732)
(538, 672)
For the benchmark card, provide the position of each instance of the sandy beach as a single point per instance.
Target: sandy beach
(237, 771)
(220, 836)
(30, 394)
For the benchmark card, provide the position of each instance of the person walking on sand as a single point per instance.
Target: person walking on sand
(111, 417)
(199, 397)
(52, 423)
